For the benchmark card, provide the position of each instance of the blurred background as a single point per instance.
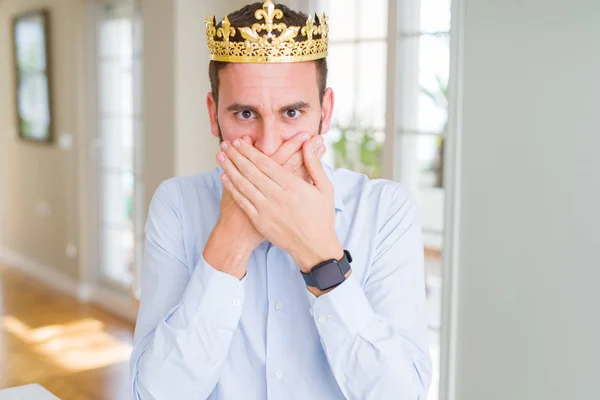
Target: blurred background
(488, 111)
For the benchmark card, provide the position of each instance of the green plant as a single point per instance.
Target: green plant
(440, 99)
(358, 149)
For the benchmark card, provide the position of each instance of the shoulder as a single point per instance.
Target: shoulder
(173, 192)
(177, 186)
(381, 193)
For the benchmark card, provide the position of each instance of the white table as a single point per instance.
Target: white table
(27, 392)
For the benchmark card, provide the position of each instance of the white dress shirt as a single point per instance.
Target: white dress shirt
(203, 334)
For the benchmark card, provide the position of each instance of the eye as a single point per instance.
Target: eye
(292, 113)
(245, 114)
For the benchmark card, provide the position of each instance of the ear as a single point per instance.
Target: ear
(327, 109)
(211, 106)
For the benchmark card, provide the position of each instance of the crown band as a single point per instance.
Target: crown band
(268, 41)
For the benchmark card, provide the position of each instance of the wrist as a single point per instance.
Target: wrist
(317, 293)
(227, 255)
(232, 233)
(308, 259)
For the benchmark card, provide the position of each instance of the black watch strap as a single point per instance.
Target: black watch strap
(309, 280)
(344, 265)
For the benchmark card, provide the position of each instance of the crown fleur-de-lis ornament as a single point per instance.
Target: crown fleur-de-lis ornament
(267, 40)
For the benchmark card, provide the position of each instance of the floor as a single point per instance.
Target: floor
(79, 352)
(76, 351)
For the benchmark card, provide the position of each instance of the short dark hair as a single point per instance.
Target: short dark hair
(245, 17)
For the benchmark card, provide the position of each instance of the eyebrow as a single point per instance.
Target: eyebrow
(298, 105)
(237, 107)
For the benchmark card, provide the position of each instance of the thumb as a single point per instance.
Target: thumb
(312, 162)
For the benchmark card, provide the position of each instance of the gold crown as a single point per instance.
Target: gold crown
(268, 46)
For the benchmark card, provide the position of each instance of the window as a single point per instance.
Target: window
(119, 124)
(428, 44)
(357, 72)
(398, 62)
(358, 54)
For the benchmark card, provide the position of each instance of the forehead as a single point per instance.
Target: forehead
(277, 80)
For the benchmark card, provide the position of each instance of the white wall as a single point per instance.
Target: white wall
(528, 299)
(39, 182)
(195, 146)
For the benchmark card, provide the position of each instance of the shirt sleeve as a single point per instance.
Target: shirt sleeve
(187, 315)
(375, 335)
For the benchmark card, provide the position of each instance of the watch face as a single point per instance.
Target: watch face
(328, 275)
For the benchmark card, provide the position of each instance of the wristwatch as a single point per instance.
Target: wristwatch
(328, 274)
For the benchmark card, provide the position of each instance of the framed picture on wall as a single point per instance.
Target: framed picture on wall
(32, 72)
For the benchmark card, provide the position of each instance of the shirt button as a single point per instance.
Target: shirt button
(323, 319)
(278, 374)
(342, 378)
(310, 311)
(236, 301)
(278, 306)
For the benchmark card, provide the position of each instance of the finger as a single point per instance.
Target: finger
(303, 174)
(301, 171)
(242, 184)
(245, 204)
(291, 146)
(248, 168)
(297, 159)
(321, 151)
(312, 162)
(250, 160)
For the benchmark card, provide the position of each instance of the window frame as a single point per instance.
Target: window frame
(132, 9)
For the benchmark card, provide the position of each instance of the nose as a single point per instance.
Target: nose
(268, 138)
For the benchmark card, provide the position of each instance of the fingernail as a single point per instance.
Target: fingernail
(305, 137)
(319, 140)
(236, 143)
(220, 157)
(224, 145)
(321, 149)
(224, 178)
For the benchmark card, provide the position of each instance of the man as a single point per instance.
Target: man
(275, 276)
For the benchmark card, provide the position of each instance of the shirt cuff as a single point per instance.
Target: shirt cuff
(311, 298)
(346, 303)
(210, 292)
